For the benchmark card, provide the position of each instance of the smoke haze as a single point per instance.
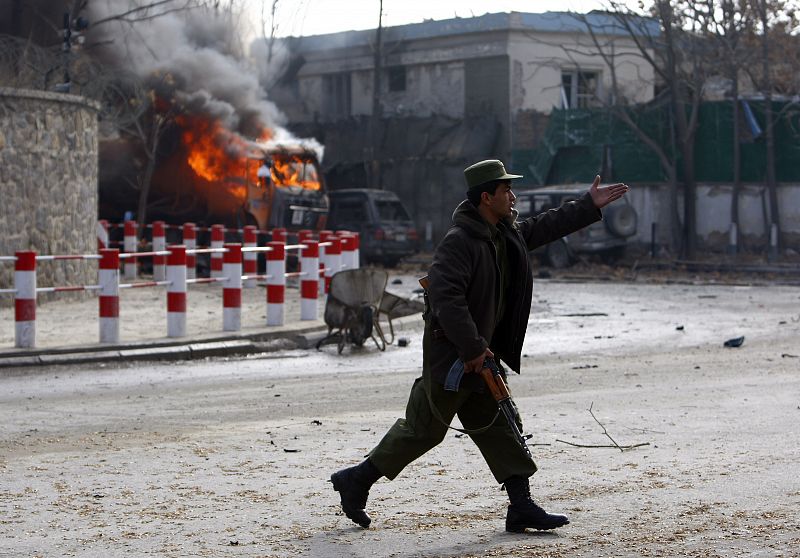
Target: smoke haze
(199, 50)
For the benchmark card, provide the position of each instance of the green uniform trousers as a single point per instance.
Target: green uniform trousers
(421, 430)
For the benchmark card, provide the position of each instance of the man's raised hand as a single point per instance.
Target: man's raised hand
(607, 194)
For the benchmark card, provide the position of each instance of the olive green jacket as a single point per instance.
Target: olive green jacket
(464, 279)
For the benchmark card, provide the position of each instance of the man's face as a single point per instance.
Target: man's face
(502, 201)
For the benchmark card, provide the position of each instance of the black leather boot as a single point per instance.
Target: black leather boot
(523, 513)
(353, 486)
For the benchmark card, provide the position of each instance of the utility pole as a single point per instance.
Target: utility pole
(374, 163)
(71, 28)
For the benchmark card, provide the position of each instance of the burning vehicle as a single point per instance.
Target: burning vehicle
(191, 135)
(208, 174)
(288, 190)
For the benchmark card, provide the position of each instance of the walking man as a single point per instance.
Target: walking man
(479, 299)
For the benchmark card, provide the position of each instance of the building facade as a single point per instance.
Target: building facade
(451, 93)
(514, 67)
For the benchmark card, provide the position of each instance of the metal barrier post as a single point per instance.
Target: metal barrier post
(309, 282)
(176, 292)
(159, 245)
(279, 234)
(324, 259)
(334, 252)
(276, 283)
(232, 288)
(102, 234)
(190, 242)
(108, 279)
(25, 300)
(356, 257)
(129, 244)
(250, 263)
(347, 249)
(217, 240)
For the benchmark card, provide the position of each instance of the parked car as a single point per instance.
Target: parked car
(387, 232)
(607, 238)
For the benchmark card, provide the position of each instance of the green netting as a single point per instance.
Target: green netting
(580, 143)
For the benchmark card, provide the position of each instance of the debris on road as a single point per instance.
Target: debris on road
(735, 342)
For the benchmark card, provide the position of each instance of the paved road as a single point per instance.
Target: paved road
(230, 457)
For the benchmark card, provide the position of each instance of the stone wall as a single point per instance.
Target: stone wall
(48, 184)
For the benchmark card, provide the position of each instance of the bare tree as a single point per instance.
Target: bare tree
(273, 28)
(678, 67)
(726, 25)
(768, 31)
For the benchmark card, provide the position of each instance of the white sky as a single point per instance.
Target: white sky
(313, 17)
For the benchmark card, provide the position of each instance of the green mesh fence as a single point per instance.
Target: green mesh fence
(581, 143)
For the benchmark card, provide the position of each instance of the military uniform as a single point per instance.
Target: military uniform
(478, 299)
(479, 294)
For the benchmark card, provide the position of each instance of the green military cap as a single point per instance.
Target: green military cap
(486, 171)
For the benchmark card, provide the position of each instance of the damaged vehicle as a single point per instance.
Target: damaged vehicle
(387, 232)
(607, 238)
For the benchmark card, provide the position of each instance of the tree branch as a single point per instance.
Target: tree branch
(605, 431)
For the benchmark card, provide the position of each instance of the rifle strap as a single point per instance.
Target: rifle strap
(437, 415)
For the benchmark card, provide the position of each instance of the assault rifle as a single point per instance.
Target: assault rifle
(497, 386)
(491, 375)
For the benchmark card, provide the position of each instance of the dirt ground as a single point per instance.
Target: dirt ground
(231, 457)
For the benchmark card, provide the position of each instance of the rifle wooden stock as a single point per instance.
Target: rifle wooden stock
(495, 384)
(424, 282)
(499, 390)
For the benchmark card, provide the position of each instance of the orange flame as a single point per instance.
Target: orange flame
(222, 157)
(215, 154)
(294, 170)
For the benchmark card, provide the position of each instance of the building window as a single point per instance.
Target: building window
(397, 78)
(336, 89)
(579, 89)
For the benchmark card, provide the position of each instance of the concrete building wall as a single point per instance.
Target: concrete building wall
(48, 183)
(436, 88)
(540, 58)
(434, 76)
(437, 81)
(713, 210)
(361, 93)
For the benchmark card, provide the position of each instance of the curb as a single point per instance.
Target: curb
(298, 335)
(210, 345)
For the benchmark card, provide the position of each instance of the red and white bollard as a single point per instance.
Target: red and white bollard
(102, 235)
(279, 235)
(309, 282)
(348, 246)
(324, 259)
(232, 288)
(356, 250)
(190, 242)
(159, 245)
(108, 279)
(276, 282)
(129, 245)
(334, 264)
(25, 300)
(217, 241)
(250, 259)
(324, 238)
(176, 291)
(302, 236)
